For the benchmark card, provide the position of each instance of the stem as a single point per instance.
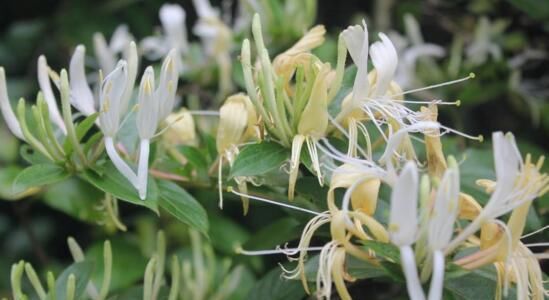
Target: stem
(435, 290)
(143, 168)
(410, 272)
(118, 162)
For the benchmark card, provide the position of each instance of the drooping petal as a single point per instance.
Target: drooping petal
(81, 94)
(7, 111)
(47, 91)
(147, 113)
(385, 60)
(403, 217)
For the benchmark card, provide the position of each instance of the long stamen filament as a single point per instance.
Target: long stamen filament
(240, 250)
(231, 190)
(470, 76)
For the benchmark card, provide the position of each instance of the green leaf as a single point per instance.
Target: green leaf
(39, 175)
(258, 159)
(81, 129)
(275, 287)
(76, 198)
(388, 251)
(112, 182)
(225, 233)
(31, 156)
(534, 8)
(7, 177)
(82, 272)
(478, 284)
(183, 206)
(274, 234)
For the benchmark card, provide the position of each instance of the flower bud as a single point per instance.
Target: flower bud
(181, 129)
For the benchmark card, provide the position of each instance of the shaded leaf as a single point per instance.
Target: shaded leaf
(258, 159)
(183, 206)
(82, 272)
(39, 175)
(275, 287)
(114, 183)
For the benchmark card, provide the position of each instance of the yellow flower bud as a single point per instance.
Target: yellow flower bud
(285, 63)
(314, 119)
(181, 129)
(237, 119)
(436, 163)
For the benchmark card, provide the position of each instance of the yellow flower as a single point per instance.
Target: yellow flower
(181, 128)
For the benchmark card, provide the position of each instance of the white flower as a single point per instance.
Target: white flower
(45, 86)
(7, 111)
(385, 60)
(81, 94)
(172, 17)
(106, 54)
(403, 220)
(403, 225)
(356, 39)
(515, 186)
(485, 41)
(167, 87)
(154, 106)
(147, 114)
(110, 98)
(441, 227)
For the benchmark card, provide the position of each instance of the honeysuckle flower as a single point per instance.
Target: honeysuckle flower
(403, 225)
(43, 71)
(147, 123)
(81, 94)
(181, 128)
(413, 49)
(292, 113)
(485, 42)
(172, 18)
(441, 225)
(517, 183)
(237, 120)
(286, 62)
(7, 111)
(107, 54)
(111, 93)
(154, 105)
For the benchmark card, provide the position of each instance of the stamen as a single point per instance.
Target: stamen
(471, 76)
(534, 232)
(437, 102)
(240, 250)
(544, 244)
(230, 190)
